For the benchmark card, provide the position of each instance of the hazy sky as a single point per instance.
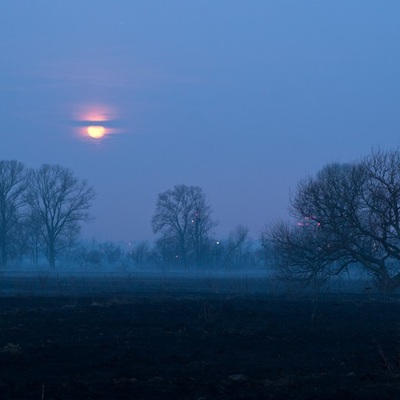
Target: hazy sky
(242, 98)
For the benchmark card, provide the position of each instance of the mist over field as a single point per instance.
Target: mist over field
(343, 232)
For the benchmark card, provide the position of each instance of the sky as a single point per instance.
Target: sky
(242, 98)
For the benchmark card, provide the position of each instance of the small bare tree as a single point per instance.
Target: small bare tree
(183, 217)
(13, 183)
(59, 202)
(139, 253)
(234, 247)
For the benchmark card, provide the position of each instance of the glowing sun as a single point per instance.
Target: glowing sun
(96, 132)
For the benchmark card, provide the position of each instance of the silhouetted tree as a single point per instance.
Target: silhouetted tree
(13, 183)
(58, 203)
(348, 214)
(139, 253)
(234, 247)
(87, 255)
(183, 217)
(111, 252)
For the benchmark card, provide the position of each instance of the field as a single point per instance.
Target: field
(194, 338)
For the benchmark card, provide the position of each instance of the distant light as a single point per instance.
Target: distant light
(217, 242)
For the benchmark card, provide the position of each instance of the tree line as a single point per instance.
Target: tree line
(41, 211)
(345, 218)
(236, 252)
(184, 225)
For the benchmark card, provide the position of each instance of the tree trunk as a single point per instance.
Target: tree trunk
(4, 255)
(3, 246)
(183, 255)
(52, 254)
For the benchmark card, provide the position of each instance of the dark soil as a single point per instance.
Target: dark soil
(198, 346)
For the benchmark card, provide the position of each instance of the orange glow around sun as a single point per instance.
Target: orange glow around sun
(95, 121)
(96, 131)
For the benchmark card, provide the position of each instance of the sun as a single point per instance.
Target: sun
(96, 131)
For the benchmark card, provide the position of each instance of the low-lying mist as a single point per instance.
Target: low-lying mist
(75, 282)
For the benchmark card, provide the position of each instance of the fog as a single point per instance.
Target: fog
(156, 281)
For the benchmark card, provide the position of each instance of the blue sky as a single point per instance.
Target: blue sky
(242, 98)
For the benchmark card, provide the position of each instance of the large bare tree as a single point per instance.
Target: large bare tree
(13, 183)
(59, 202)
(349, 214)
(183, 217)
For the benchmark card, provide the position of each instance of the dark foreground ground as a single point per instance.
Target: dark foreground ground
(193, 344)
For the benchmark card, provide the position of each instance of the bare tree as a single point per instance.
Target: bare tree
(13, 183)
(111, 252)
(183, 217)
(234, 247)
(59, 202)
(139, 253)
(348, 214)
